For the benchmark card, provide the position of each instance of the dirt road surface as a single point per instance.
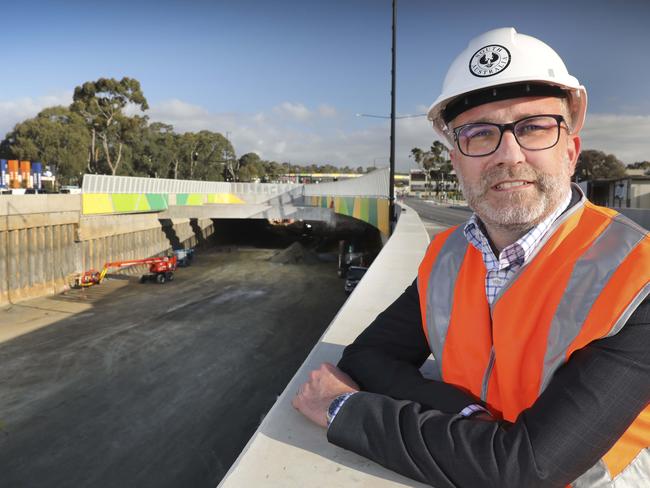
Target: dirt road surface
(127, 384)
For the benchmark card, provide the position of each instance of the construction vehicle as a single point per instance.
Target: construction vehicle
(161, 269)
(184, 256)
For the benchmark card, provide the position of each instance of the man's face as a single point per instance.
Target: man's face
(515, 188)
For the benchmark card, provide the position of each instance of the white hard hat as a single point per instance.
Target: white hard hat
(502, 64)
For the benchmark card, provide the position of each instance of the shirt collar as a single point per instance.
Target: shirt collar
(518, 252)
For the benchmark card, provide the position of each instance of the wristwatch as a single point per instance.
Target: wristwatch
(336, 405)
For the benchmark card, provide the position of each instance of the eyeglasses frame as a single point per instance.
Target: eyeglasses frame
(511, 127)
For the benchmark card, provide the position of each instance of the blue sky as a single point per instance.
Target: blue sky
(286, 78)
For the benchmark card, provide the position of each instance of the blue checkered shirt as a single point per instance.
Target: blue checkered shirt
(512, 257)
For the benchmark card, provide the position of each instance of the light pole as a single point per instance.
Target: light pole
(393, 117)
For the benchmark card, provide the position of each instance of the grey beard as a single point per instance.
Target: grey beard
(518, 213)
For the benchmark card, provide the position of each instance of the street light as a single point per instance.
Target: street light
(409, 116)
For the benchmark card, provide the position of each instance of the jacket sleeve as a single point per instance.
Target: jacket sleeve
(587, 406)
(386, 358)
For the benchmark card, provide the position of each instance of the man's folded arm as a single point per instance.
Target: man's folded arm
(386, 358)
(587, 406)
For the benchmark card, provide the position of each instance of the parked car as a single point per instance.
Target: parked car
(70, 189)
(353, 277)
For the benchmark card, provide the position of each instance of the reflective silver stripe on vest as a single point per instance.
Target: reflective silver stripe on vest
(634, 304)
(440, 290)
(635, 475)
(596, 476)
(591, 273)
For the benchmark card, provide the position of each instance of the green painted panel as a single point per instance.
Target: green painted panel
(181, 198)
(342, 206)
(372, 212)
(157, 201)
(350, 205)
(364, 209)
(125, 202)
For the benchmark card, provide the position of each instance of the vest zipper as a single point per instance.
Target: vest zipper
(486, 376)
(549, 233)
(488, 369)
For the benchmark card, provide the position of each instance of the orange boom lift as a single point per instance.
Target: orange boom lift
(161, 269)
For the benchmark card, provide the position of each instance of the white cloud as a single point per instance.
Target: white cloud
(281, 139)
(326, 111)
(293, 110)
(14, 111)
(293, 132)
(625, 136)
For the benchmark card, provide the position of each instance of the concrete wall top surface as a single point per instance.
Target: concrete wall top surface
(287, 449)
(31, 204)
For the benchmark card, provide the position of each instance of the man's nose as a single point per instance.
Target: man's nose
(509, 151)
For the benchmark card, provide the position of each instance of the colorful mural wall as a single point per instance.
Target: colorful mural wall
(371, 210)
(109, 203)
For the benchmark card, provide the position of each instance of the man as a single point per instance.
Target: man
(534, 310)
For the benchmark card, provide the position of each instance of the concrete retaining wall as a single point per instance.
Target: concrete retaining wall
(45, 241)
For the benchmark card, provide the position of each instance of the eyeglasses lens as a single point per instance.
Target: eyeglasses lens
(537, 132)
(532, 133)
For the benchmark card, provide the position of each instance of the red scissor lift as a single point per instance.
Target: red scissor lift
(161, 270)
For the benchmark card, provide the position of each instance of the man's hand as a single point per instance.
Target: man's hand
(324, 385)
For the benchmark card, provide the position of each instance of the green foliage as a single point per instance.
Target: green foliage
(96, 135)
(644, 165)
(204, 155)
(435, 161)
(593, 165)
(56, 136)
(101, 103)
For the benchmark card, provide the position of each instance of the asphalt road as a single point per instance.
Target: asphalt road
(157, 385)
(438, 217)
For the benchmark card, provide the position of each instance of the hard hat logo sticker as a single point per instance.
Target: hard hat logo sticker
(489, 61)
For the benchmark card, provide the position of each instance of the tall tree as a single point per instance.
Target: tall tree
(155, 151)
(57, 137)
(250, 167)
(435, 161)
(594, 164)
(102, 104)
(644, 165)
(207, 155)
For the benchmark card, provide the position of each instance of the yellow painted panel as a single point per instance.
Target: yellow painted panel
(194, 199)
(96, 203)
(224, 198)
(382, 216)
(357, 208)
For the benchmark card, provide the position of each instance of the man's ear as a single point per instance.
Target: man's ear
(574, 143)
(453, 155)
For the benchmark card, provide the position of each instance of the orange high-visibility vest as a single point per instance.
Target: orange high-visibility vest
(588, 275)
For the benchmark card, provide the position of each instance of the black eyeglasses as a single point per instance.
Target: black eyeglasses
(534, 133)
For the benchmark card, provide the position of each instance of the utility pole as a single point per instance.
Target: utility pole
(391, 182)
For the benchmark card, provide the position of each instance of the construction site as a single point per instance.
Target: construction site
(134, 382)
(148, 326)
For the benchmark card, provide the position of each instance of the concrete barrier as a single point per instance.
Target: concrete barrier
(287, 449)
